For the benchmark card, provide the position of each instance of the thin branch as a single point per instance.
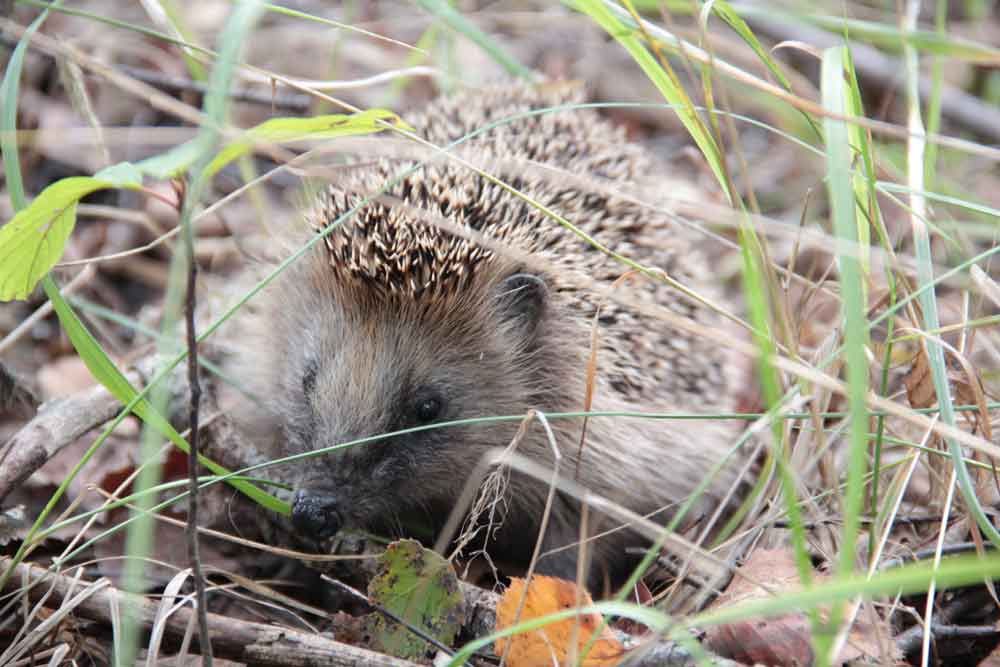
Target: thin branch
(193, 451)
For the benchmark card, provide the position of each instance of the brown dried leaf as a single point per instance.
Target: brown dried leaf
(919, 385)
(776, 641)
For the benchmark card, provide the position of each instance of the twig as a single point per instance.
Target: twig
(170, 84)
(194, 402)
(910, 640)
(929, 552)
(941, 631)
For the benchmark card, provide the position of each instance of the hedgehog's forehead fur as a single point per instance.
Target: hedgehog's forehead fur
(391, 258)
(387, 250)
(391, 246)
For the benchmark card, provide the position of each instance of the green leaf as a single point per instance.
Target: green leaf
(123, 175)
(33, 241)
(284, 130)
(420, 587)
(174, 161)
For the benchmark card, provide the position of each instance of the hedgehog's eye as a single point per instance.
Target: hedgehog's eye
(309, 377)
(428, 408)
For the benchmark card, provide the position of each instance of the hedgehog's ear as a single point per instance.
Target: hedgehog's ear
(522, 298)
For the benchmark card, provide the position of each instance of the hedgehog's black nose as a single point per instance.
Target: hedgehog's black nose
(314, 514)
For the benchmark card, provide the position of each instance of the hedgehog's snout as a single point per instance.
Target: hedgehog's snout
(315, 515)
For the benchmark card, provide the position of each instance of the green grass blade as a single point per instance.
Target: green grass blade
(861, 180)
(8, 115)
(892, 38)
(836, 99)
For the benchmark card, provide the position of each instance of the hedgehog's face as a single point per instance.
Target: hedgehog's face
(356, 374)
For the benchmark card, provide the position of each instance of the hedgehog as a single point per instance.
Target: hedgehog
(394, 321)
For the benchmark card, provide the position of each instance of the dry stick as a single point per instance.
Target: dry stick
(240, 641)
(262, 644)
(193, 449)
(973, 601)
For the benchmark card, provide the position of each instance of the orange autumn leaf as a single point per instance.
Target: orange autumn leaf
(550, 645)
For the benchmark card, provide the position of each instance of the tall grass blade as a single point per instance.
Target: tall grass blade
(836, 99)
